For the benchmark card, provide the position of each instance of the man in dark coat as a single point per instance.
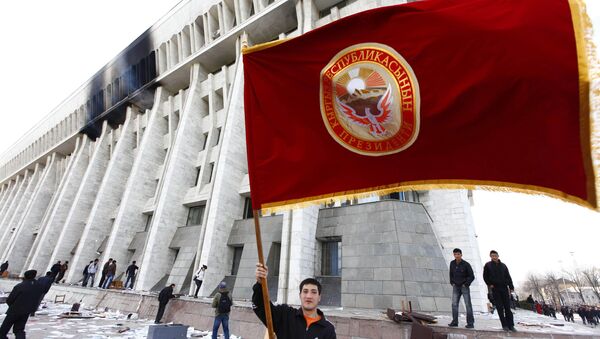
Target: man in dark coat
(294, 323)
(55, 269)
(497, 277)
(44, 283)
(131, 272)
(23, 300)
(3, 267)
(104, 271)
(163, 298)
(461, 277)
(63, 268)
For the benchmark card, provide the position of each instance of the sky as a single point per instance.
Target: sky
(50, 48)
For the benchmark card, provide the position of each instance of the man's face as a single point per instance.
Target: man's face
(309, 297)
(494, 257)
(458, 256)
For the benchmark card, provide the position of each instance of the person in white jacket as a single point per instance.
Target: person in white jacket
(91, 272)
(198, 278)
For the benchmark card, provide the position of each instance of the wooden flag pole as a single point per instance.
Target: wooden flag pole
(263, 283)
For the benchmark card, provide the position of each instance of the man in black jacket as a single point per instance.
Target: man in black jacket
(290, 323)
(44, 284)
(55, 269)
(461, 277)
(497, 277)
(23, 300)
(163, 298)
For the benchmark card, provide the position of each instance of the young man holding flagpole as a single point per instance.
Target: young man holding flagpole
(291, 323)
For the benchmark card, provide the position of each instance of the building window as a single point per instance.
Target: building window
(210, 171)
(205, 136)
(195, 215)
(197, 176)
(148, 222)
(331, 264)
(248, 213)
(216, 136)
(237, 257)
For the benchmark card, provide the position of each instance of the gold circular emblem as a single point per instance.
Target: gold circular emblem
(370, 100)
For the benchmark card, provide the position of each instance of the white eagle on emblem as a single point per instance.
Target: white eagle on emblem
(368, 111)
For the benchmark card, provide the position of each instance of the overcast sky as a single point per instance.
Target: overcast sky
(50, 48)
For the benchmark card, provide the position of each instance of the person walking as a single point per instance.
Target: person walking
(104, 271)
(22, 300)
(85, 275)
(44, 284)
(198, 278)
(91, 273)
(498, 279)
(3, 267)
(461, 277)
(131, 272)
(110, 274)
(291, 323)
(63, 268)
(55, 269)
(164, 296)
(222, 303)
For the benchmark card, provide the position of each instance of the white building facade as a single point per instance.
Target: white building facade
(147, 162)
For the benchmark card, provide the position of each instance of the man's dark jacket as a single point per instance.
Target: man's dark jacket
(165, 295)
(461, 274)
(289, 322)
(55, 268)
(497, 274)
(45, 283)
(24, 298)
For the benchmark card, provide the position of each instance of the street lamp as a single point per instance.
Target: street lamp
(563, 279)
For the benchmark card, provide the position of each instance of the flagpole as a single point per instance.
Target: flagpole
(263, 283)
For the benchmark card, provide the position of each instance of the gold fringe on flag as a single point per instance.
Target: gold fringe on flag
(589, 98)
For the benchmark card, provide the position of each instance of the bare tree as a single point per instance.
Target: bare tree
(536, 285)
(552, 282)
(592, 276)
(577, 278)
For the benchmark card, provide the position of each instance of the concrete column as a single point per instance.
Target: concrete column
(107, 201)
(140, 185)
(177, 178)
(82, 204)
(21, 208)
(454, 227)
(39, 257)
(14, 199)
(21, 241)
(225, 204)
(301, 251)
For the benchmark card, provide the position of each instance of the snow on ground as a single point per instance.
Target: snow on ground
(526, 321)
(105, 324)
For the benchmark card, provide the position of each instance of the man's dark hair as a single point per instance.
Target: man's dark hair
(172, 285)
(133, 262)
(311, 281)
(493, 252)
(49, 274)
(457, 250)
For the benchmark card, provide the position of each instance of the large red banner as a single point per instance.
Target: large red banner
(440, 93)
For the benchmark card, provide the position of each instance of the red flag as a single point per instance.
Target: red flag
(429, 94)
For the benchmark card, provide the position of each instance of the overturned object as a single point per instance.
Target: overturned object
(75, 315)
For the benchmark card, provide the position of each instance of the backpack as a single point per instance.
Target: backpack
(224, 303)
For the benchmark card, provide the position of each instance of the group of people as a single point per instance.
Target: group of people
(58, 270)
(589, 315)
(307, 321)
(108, 273)
(23, 301)
(496, 277)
